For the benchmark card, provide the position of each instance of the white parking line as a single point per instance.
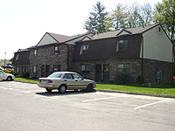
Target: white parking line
(16, 90)
(98, 99)
(149, 104)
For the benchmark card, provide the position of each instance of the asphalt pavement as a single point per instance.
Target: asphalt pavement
(26, 107)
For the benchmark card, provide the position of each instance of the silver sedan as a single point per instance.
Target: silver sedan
(4, 76)
(63, 81)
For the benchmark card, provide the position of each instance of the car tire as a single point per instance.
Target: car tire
(48, 90)
(62, 89)
(89, 88)
(9, 78)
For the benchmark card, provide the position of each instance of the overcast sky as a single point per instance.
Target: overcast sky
(24, 22)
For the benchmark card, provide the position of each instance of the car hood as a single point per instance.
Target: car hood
(8, 74)
(89, 80)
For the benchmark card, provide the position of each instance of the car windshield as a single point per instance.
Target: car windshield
(55, 75)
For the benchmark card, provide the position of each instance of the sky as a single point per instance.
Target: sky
(24, 22)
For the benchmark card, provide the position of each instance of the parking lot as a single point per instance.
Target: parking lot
(89, 110)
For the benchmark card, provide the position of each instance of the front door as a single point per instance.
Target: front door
(106, 73)
(98, 73)
(42, 71)
(47, 70)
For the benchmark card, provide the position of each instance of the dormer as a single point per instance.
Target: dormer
(124, 32)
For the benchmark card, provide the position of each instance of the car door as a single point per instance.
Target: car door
(79, 81)
(69, 81)
(2, 75)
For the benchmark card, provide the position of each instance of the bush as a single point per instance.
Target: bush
(26, 75)
(18, 76)
(140, 79)
(121, 78)
(8, 70)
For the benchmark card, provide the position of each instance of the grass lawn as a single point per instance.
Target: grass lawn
(162, 89)
(26, 80)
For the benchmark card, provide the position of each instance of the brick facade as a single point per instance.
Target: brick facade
(101, 56)
(151, 67)
(21, 69)
(135, 68)
(46, 57)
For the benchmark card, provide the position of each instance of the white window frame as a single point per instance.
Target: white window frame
(84, 49)
(125, 44)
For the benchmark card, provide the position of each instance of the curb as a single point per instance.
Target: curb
(134, 93)
(111, 91)
(25, 82)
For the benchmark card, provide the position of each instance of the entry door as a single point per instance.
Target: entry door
(42, 71)
(47, 70)
(98, 73)
(106, 73)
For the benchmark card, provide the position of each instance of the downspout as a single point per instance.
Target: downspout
(172, 61)
(67, 57)
(142, 52)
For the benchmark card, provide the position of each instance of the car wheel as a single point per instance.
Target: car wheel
(89, 87)
(62, 89)
(48, 90)
(9, 78)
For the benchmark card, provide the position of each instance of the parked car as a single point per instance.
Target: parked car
(4, 76)
(63, 81)
(1, 68)
(8, 66)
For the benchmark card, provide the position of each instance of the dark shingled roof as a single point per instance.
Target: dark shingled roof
(103, 46)
(131, 31)
(59, 38)
(23, 57)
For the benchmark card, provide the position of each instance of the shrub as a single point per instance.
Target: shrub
(18, 76)
(121, 78)
(8, 70)
(140, 79)
(26, 75)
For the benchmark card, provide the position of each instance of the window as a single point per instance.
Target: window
(84, 49)
(34, 69)
(85, 68)
(68, 76)
(55, 75)
(17, 57)
(56, 68)
(159, 29)
(57, 50)
(77, 77)
(24, 69)
(123, 68)
(17, 69)
(122, 45)
(35, 53)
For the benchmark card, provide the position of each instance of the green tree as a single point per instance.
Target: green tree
(139, 15)
(146, 13)
(119, 16)
(95, 22)
(134, 18)
(165, 15)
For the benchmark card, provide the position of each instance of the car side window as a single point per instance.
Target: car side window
(76, 76)
(68, 76)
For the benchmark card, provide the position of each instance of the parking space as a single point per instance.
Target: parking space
(118, 100)
(145, 110)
